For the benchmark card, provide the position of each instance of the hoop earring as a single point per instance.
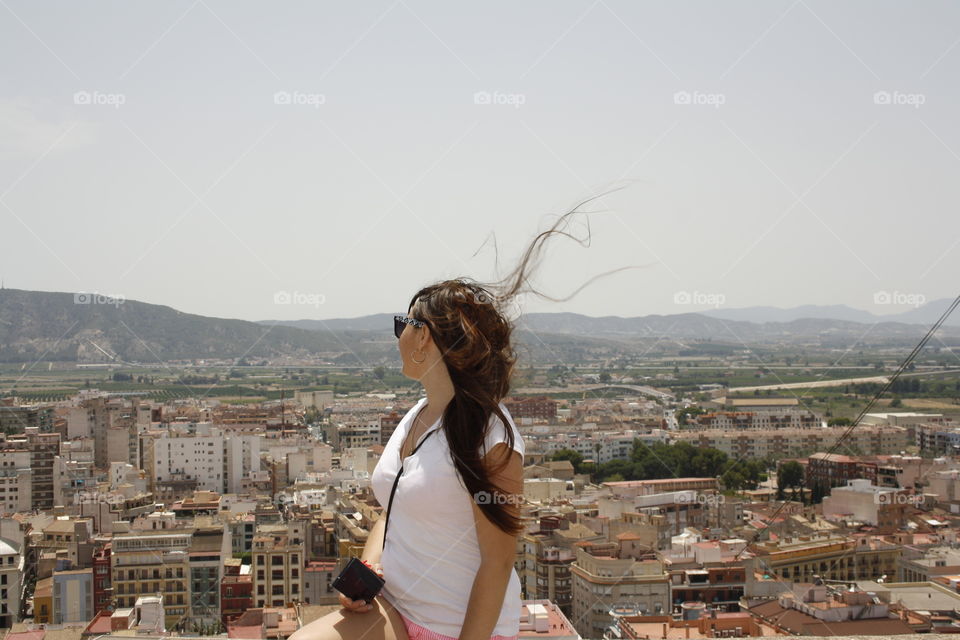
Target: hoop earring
(418, 361)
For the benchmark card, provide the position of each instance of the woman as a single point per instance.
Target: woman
(447, 557)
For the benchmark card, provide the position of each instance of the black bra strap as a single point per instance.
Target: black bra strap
(394, 489)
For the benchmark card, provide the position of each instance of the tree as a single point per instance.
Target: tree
(790, 474)
(575, 458)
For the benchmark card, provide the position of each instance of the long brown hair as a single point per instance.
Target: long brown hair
(471, 328)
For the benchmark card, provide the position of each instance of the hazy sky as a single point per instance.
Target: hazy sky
(215, 156)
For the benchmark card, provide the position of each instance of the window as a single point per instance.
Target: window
(276, 560)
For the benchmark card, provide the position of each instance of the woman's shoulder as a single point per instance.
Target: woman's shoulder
(497, 431)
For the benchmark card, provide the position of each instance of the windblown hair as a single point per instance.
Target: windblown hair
(470, 326)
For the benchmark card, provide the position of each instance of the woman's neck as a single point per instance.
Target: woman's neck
(440, 390)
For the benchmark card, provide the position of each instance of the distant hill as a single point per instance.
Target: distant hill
(37, 325)
(925, 314)
(40, 325)
(677, 329)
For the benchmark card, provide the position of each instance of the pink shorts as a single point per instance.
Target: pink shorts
(416, 632)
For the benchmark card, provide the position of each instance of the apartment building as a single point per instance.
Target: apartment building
(860, 501)
(746, 420)
(278, 561)
(42, 449)
(151, 561)
(938, 439)
(718, 587)
(544, 570)
(357, 434)
(634, 488)
(16, 479)
(17, 418)
(11, 582)
(72, 596)
(830, 556)
(102, 587)
(780, 443)
(606, 446)
(603, 581)
(209, 549)
(538, 408)
(208, 460)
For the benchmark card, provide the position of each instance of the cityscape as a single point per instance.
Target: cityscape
(274, 276)
(703, 490)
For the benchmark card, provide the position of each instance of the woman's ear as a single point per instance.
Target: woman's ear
(424, 338)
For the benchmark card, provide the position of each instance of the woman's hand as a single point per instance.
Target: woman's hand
(361, 606)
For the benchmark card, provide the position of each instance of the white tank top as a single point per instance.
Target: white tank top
(432, 555)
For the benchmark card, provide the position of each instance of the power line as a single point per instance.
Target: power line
(856, 423)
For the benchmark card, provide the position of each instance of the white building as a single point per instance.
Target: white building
(861, 501)
(16, 480)
(11, 571)
(217, 462)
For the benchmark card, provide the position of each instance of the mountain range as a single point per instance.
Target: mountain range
(62, 326)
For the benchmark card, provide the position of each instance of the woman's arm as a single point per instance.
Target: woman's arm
(498, 551)
(374, 546)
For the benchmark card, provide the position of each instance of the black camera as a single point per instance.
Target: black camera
(357, 581)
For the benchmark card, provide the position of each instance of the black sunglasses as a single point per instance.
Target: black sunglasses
(400, 323)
